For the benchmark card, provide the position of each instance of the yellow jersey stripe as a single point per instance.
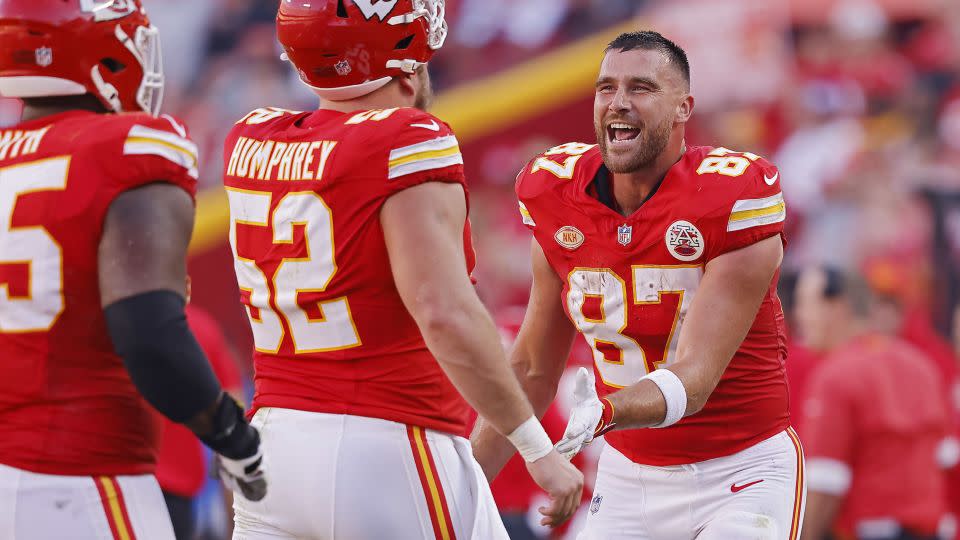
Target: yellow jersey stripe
(145, 140)
(756, 204)
(177, 140)
(421, 156)
(761, 212)
(439, 143)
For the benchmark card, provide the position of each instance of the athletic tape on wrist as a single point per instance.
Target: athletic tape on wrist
(674, 394)
(531, 440)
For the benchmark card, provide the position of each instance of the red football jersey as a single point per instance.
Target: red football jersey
(873, 421)
(330, 331)
(67, 405)
(628, 282)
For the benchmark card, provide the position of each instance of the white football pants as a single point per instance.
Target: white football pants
(755, 494)
(346, 477)
(49, 507)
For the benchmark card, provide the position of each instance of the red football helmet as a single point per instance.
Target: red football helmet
(73, 47)
(348, 48)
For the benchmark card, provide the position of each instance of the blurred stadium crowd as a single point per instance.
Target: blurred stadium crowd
(857, 102)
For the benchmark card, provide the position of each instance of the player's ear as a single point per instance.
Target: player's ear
(407, 84)
(685, 109)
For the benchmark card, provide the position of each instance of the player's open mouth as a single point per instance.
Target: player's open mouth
(619, 132)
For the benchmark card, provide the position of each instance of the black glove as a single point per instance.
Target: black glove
(237, 443)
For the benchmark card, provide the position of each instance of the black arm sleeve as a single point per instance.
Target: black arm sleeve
(165, 362)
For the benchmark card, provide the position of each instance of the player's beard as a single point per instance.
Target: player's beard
(424, 96)
(652, 142)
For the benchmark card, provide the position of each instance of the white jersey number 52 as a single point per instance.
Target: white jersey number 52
(278, 297)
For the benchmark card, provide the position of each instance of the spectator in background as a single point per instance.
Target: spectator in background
(528, 23)
(874, 419)
(183, 40)
(901, 310)
(181, 468)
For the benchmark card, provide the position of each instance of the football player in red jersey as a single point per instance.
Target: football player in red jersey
(353, 257)
(96, 211)
(665, 257)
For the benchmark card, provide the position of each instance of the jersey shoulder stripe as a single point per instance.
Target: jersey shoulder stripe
(525, 215)
(424, 156)
(142, 140)
(750, 213)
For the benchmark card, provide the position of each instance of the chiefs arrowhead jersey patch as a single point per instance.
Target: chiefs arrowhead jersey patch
(684, 241)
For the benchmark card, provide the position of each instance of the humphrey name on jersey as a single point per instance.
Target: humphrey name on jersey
(275, 160)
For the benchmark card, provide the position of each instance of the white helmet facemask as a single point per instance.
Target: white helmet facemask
(433, 11)
(145, 47)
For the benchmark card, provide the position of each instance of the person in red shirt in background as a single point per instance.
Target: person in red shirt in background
(874, 419)
(181, 468)
(907, 314)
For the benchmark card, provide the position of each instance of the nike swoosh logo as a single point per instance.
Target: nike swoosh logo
(735, 488)
(176, 126)
(432, 126)
(772, 180)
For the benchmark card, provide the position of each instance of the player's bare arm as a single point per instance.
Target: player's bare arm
(145, 230)
(539, 356)
(142, 271)
(423, 228)
(722, 313)
(731, 291)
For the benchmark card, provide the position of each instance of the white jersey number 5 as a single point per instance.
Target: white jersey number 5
(31, 247)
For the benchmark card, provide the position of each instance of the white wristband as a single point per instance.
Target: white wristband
(531, 440)
(674, 394)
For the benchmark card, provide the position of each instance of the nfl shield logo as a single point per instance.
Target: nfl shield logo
(343, 68)
(625, 234)
(44, 56)
(595, 504)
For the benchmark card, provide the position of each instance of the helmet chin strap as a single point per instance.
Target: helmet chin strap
(407, 66)
(106, 90)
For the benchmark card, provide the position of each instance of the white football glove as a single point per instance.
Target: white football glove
(243, 476)
(584, 417)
